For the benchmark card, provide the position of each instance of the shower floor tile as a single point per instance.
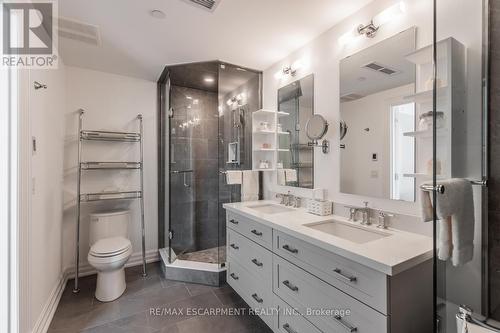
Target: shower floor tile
(209, 255)
(144, 305)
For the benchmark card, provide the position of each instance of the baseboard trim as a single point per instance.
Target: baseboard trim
(48, 311)
(43, 322)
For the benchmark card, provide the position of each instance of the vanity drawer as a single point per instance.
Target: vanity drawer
(291, 321)
(359, 281)
(256, 231)
(307, 293)
(259, 296)
(250, 255)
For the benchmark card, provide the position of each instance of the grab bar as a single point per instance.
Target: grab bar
(440, 188)
(466, 315)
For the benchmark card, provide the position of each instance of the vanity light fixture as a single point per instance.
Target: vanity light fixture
(289, 69)
(394, 11)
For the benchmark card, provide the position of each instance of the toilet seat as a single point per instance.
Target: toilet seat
(110, 247)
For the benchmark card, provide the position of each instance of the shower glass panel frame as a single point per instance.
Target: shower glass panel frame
(203, 107)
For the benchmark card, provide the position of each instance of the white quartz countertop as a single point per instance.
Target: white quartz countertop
(390, 255)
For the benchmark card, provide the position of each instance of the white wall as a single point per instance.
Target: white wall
(322, 55)
(45, 259)
(111, 102)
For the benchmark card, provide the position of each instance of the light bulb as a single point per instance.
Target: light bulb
(389, 14)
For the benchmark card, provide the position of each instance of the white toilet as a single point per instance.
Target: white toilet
(110, 249)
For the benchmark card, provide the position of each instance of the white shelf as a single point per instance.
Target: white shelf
(265, 149)
(426, 133)
(264, 132)
(426, 96)
(284, 133)
(282, 114)
(264, 112)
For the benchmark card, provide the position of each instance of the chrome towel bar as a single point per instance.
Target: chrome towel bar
(440, 188)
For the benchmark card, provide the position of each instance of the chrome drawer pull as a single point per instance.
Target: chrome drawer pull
(257, 298)
(234, 246)
(255, 232)
(256, 262)
(348, 327)
(290, 286)
(343, 276)
(233, 221)
(287, 328)
(234, 276)
(289, 249)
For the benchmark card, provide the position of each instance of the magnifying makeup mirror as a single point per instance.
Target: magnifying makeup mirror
(316, 129)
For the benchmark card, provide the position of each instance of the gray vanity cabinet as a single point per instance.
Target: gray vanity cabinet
(313, 290)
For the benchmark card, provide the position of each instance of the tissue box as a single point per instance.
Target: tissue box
(321, 208)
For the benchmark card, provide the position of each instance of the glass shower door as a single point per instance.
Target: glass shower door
(458, 163)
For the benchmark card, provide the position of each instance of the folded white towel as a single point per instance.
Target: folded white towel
(291, 175)
(250, 186)
(280, 174)
(233, 177)
(455, 225)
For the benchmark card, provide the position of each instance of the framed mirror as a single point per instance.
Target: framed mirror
(377, 116)
(295, 165)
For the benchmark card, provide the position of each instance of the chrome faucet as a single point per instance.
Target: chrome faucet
(352, 213)
(382, 219)
(365, 211)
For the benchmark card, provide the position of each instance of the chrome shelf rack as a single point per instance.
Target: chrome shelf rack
(86, 135)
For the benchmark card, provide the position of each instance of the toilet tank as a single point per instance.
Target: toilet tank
(109, 224)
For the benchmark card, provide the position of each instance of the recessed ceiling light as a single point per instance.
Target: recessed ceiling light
(158, 14)
(209, 79)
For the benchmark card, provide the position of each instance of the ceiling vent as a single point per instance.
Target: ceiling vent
(209, 5)
(381, 68)
(350, 97)
(78, 31)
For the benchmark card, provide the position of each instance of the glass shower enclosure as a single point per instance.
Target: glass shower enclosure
(464, 273)
(205, 130)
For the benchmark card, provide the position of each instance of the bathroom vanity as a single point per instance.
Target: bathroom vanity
(307, 273)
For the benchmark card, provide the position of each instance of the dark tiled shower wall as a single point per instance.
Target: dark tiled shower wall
(194, 195)
(494, 162)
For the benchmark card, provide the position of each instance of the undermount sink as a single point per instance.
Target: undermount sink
(353, 233)
(270, 208)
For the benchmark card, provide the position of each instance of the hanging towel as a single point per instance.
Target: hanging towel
(455, 224)
(291, 175)
(280, 173)
(233, 177)
(250, 186)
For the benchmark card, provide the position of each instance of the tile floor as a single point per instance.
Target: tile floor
(131, 312)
